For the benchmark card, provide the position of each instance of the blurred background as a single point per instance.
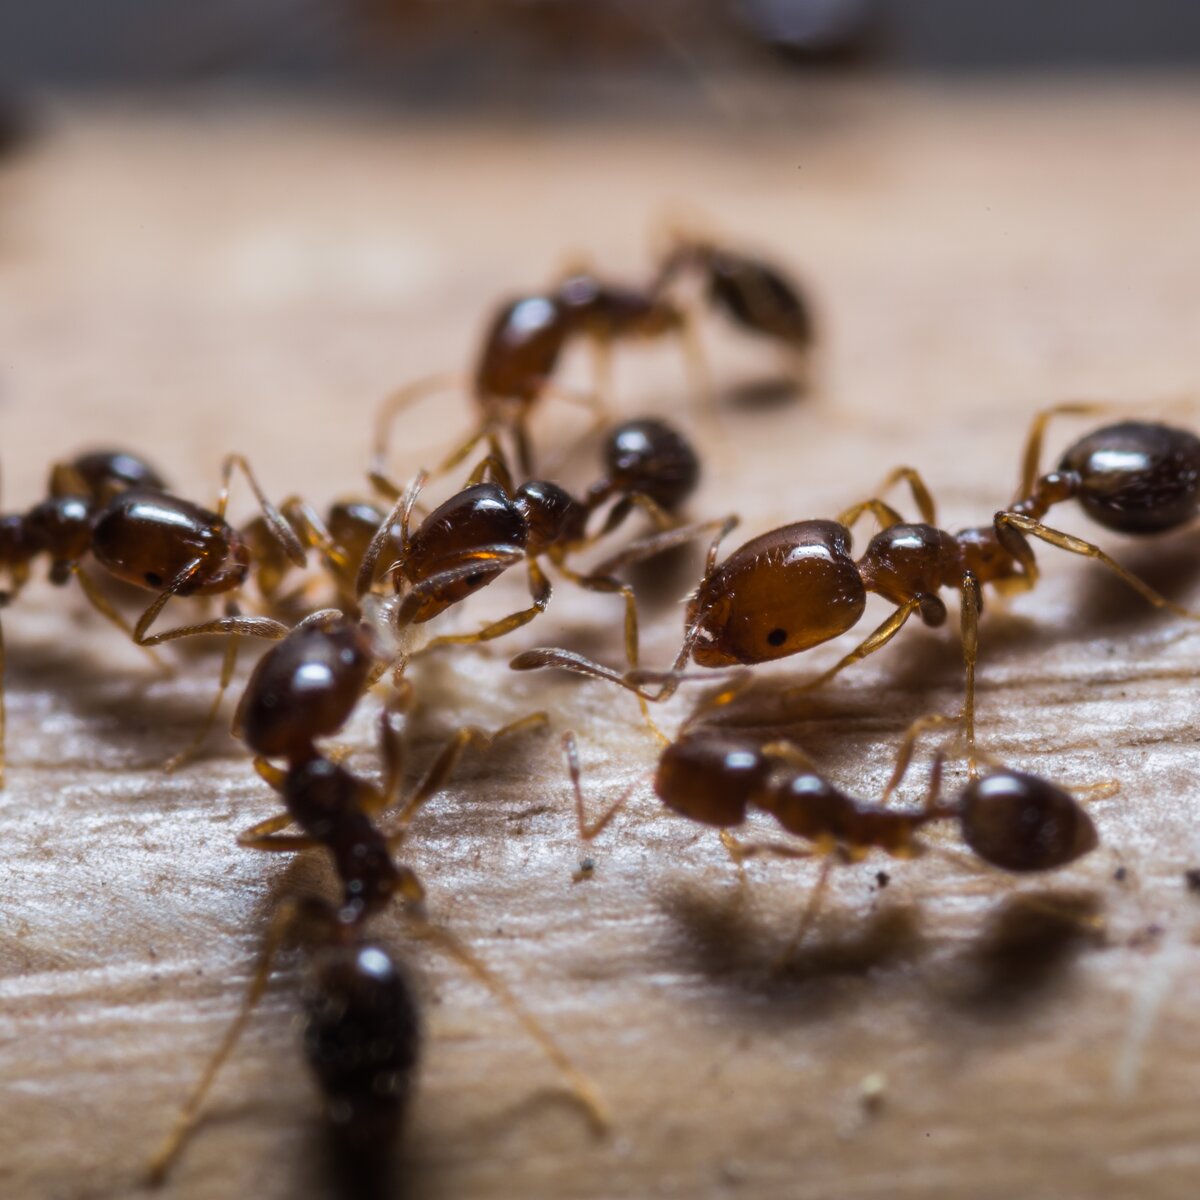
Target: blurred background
(431, 52)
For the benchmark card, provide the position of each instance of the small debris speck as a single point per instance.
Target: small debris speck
(1192, 878)
(1119, 874)
(882, 879)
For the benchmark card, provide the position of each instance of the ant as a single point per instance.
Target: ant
(795, 587)
(114, 506)
(489, 526)
(528, 334)
(1018, 822)
(362, 1039)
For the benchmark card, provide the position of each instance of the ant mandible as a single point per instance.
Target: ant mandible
(361, 1032)
(795, 587)
(114, 506)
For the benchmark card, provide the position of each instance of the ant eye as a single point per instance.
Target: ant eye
(153, 579)
(777, 637)
(474, 578)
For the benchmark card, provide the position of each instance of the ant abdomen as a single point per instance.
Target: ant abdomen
(783, 592)
(652, 458)
(759, 298)
(711, 779)
(1021, 822)
(362, 1038)
(304, 688)
(1137, 476)
(149, 538)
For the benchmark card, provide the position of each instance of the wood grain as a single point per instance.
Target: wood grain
(255, 279)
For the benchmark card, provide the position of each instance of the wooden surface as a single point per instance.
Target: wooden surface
(256, 279)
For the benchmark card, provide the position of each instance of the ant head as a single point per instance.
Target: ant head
(1022, 822)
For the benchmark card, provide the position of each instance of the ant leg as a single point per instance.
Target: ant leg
(315, 532)
(739, 851)
(524, 447)
(228, 665)
(588, 831)
(394, 404)
(103, 606)
(264, 627)
(277, 843)
(657, 543)
(876, 641)
(1031, 457)
(620, 511)
(611, 587)
(811, 910)
(494, 464)
(581, 1087)
(401, 510)
(539, 590)
(284, 533)
(908, 744)
(280, 926)
(270, 773)
(921, 495)
(448, 759)
(602, 367)
(1008, 521)
(885, 514)
(970, 605)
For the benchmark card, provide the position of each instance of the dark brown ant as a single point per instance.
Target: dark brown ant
(489, 526)
(1015, 821)
(302, 689)
(795, 587)
(112, 505)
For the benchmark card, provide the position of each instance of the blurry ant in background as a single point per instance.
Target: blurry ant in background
(361, 1032)
(1018, 822)
(115, 507)
(526, 338)
(795, 587)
